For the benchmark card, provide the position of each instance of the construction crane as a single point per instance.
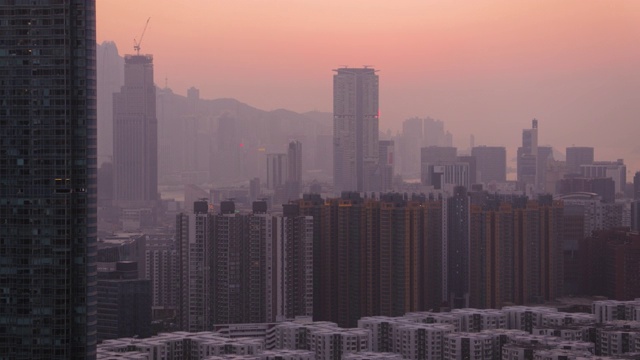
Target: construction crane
(136, 44)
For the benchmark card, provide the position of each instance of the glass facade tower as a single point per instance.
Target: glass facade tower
(47, 179)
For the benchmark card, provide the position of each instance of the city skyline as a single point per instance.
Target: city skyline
(500, 64)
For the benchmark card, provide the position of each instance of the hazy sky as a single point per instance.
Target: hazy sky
(484, 67)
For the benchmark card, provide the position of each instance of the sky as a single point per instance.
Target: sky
(483, 67)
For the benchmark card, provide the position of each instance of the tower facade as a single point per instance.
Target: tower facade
(578, 156)
(491, 162)
(355, 128)
(194, 233)
(48, 192)
(135, 134)
(293, 184)
(527, 159)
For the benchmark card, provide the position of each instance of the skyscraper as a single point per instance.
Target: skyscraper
(355, 128)
(293, 185)
(263, 265)
(456, 248)
(527, 159)
(491, 162)
(276, 170)
(194, 233)
(48, 192)
(135, 134)
(577, 156)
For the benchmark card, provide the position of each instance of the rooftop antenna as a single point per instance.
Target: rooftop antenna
(136, 44)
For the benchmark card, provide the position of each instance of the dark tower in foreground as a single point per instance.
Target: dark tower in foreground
(48, 181)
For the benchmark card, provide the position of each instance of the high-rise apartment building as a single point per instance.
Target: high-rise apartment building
(194, 233)
(292, 290)
(48, 167)
(491, 163)
(262, 265)
(372, 257)
(516, 248)
(135, 135)
(162, 268)
(456, 248)
(355, 128)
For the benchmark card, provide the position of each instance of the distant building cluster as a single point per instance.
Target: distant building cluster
(610, 331)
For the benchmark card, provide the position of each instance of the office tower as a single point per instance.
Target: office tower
(635, 216)
(124, 303)
(445, 175)
(434, 134)
(545, 159)
(604, 187)
(578, 156)
(615, 170)
(491, 162)
(355, 128)
(135, 135)
(194, 232)
(411, 141)
(636, 186)
(110, 77)
(432, 157)
(48, 192)
(473, 167)
(293, 183)
(385, 173)
(276, 170)
(456, 246)
(294, 162)
(527, 159)
(438, 154)
(254, 189)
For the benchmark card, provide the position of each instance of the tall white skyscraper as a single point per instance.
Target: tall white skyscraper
(355, 128)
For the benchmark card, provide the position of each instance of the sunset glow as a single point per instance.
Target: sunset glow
(569, 63)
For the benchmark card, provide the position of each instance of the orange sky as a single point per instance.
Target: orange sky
(484, 67)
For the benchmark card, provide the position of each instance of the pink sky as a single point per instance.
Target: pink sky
(484, 67)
